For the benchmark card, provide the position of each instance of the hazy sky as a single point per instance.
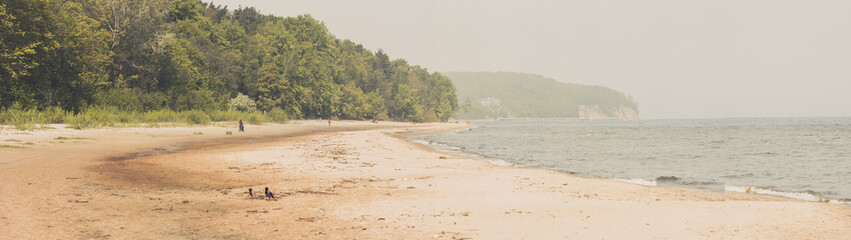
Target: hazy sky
(677, 58)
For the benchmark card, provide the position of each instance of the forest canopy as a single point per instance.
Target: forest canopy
(182, 55)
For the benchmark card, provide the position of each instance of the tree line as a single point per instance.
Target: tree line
(182, 55)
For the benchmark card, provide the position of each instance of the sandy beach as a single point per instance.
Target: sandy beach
(350, 180)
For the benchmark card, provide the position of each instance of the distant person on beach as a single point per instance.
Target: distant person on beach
(241, 126)
(329, 122)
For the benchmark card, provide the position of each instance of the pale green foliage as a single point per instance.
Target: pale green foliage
(241, 103)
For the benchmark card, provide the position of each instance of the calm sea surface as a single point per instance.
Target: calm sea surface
(806, 158)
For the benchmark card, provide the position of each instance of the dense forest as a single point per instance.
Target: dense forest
(181, 55)
(530, 95)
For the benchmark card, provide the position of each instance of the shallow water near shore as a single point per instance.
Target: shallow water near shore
(803, 158)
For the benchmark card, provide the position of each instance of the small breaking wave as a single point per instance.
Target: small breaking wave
(420, 141)
(673, 181)
(638, 181)
(667, 179)
(806, 196)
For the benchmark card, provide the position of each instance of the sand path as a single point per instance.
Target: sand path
(336, 183)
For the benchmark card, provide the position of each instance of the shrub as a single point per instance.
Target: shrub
(54, 115)
(194, 100)
(113, 116)
(21, 119)
(225, 116)
(121, 98)
(195, 117)
(153, 101)
(29, 119)
(242, 103)
(93, 117)
(78, 121)
(159, 116)
(277, 115)
(255, 118)
(127, 117)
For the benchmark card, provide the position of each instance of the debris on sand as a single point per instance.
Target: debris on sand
(315, 192)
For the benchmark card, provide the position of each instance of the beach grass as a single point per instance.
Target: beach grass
(97, 117)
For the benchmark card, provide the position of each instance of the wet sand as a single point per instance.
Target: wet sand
(352, 180)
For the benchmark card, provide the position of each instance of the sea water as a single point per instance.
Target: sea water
(804, 158)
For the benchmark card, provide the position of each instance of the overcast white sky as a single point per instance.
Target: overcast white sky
(677, 58)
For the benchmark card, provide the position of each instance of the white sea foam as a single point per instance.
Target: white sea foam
(639, 181)
(806, 196)
(500, 162)
(420, 141)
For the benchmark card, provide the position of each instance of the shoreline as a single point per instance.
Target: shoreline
(760, 191)
(357, 181)
(752, 190)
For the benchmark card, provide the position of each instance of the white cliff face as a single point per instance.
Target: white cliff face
(596, 112)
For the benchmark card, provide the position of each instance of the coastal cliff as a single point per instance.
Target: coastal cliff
(597, 112)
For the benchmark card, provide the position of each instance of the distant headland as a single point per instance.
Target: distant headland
(523, 95)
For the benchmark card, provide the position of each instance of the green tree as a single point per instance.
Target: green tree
(271, 88)
(80, 59)
(27, 39)
(189, 55)
(185, 10)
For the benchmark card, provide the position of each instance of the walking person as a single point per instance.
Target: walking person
(241, 126)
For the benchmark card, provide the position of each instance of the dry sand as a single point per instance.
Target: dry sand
(352, 180)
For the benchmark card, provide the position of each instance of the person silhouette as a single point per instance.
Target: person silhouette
(241, 126)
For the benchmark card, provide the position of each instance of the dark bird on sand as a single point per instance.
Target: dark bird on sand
(269, 194)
